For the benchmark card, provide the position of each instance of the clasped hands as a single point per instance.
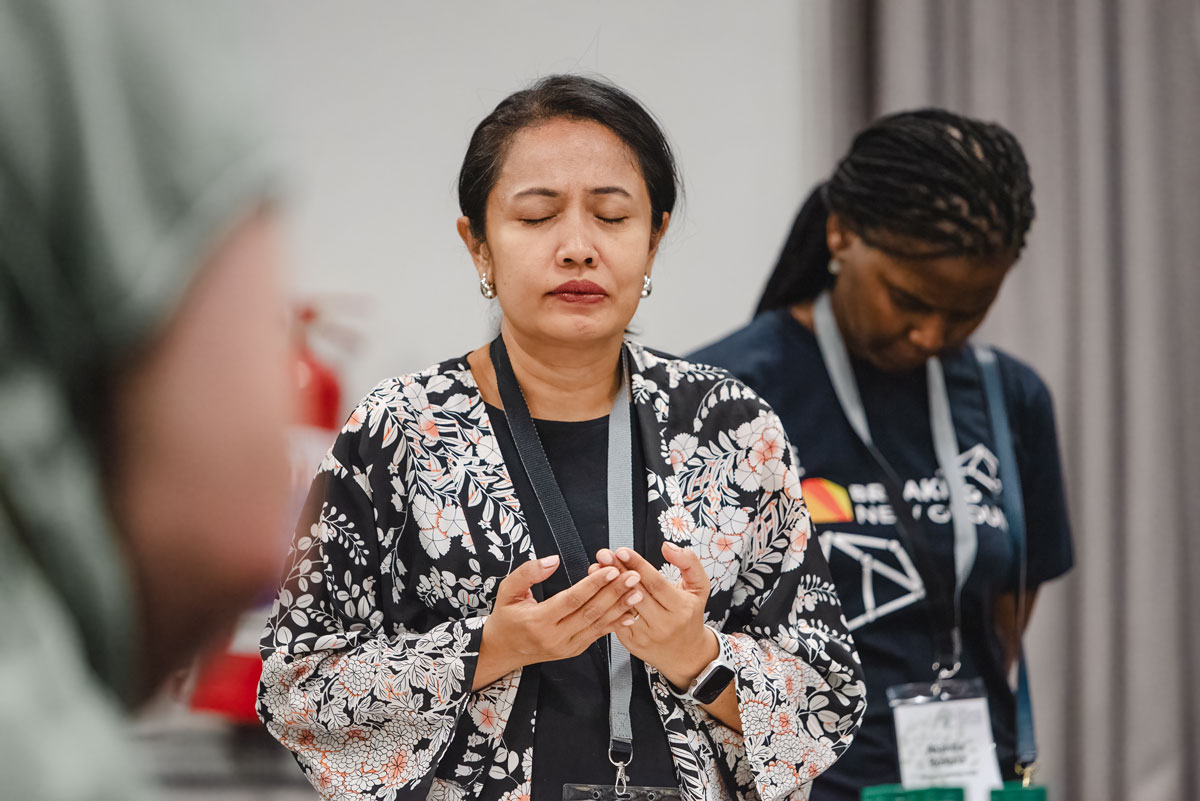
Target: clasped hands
(658, 621)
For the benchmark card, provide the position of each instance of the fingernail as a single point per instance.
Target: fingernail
(611, 573)
(625, 554)
(548, 561)
(672, 546)
(628, 622)
(604, 557)
(632, 578)
(636, 598)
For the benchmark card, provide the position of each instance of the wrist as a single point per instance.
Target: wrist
(693, 662)
(495, 659)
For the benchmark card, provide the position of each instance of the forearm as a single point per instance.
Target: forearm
(1011, 623)
(683, 672)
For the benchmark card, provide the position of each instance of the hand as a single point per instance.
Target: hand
(521, 631)
(668, 631)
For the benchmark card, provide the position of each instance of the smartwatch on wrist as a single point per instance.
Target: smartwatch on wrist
(713, 679)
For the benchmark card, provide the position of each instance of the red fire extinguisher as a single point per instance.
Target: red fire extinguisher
(226, 681)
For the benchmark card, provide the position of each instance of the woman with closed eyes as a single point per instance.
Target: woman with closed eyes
(562, 564)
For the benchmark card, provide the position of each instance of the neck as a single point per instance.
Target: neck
(559, 382)
(803, 312)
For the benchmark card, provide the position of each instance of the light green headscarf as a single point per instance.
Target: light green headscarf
(125, 153)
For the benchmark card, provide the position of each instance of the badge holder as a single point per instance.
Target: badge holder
(602, 792)
(944, 736)
(620, 790)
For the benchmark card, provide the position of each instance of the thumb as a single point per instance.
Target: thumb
(516, 585)
(690, 570)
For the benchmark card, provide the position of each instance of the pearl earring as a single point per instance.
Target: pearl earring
(647, 286)
(835, 267)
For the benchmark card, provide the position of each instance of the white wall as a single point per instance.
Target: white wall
(376, 102)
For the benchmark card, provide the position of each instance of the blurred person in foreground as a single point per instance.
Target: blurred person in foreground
(483, 529)
(903, 250)
(144, 391)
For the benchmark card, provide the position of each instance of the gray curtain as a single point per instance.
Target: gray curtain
(1105, 303)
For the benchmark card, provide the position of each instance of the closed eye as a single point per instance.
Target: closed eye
(537, 221)
(611, 220)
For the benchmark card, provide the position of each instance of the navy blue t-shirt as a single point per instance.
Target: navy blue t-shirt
(879, 587)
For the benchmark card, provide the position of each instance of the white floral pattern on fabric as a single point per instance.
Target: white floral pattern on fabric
(411, 524)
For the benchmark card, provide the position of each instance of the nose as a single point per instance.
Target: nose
(929, 334)
(576, 248)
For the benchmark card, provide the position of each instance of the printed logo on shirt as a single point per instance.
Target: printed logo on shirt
(827, 502)
(890, 580)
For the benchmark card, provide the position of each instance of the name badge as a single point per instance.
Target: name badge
(632, 792)
(944, 737)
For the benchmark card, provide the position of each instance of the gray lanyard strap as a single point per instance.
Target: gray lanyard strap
(620, 535)
(966, 539)
(947, 612)
(562, 525)
(1014, 511)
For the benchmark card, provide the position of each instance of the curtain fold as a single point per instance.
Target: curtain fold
(1105, 304)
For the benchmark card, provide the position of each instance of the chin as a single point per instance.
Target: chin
(895, 364)
(580, 331)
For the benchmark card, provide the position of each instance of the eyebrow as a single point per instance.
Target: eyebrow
(541, 191)
(536, 191)
(610, 190)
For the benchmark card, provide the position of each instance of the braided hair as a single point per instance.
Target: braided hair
(917, 184)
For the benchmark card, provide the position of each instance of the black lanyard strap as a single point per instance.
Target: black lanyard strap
(562, 525)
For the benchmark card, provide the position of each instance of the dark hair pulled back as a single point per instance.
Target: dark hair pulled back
(574, 97)
(917, 184)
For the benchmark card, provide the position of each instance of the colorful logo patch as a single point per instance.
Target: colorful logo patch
(827, 502)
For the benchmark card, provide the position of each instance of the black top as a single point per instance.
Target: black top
(570, 743)
(878, 586)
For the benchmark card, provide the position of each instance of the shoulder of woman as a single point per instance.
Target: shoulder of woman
(671, 372)
(405, 400)
(703, 392)
(1024, 388)
(429, 388)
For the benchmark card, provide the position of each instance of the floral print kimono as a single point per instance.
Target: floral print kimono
(411, 524)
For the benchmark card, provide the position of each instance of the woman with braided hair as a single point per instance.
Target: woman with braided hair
(859, 340)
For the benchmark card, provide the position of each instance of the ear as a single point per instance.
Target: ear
(477, 248)
(655, 238)
(838, 237)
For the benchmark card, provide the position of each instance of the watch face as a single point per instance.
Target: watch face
(713, 684)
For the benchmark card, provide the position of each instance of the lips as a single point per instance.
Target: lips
(579, 291)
